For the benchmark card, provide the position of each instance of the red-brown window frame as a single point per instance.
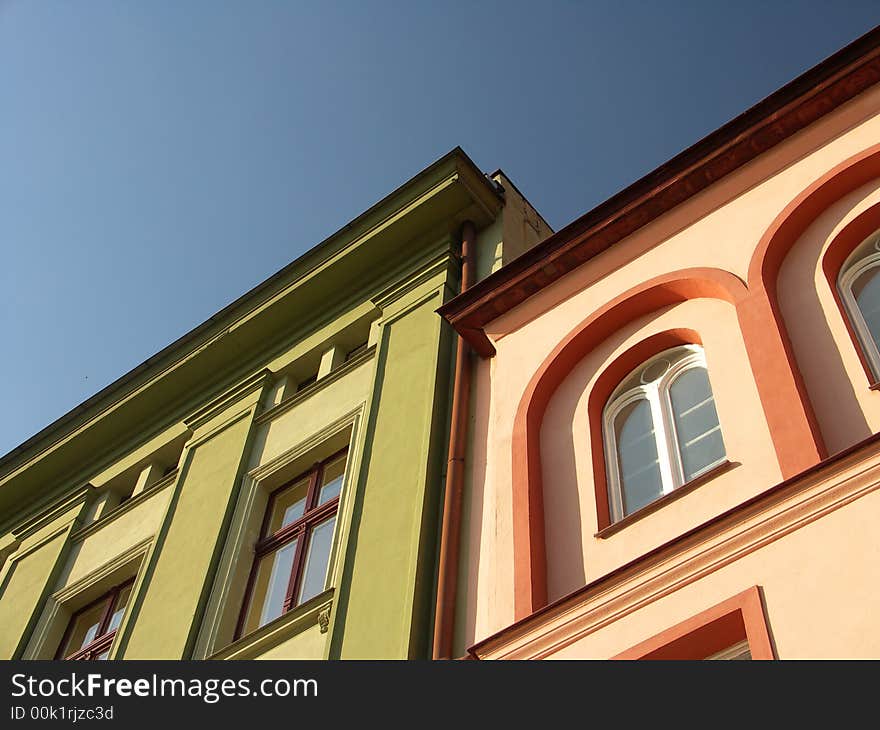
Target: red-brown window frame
(103, 638)
(312, 516)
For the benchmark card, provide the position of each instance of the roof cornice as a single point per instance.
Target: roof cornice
(796, 105)
(453, 170)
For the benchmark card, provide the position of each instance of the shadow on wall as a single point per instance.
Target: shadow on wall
(818, 333)
(473, 509)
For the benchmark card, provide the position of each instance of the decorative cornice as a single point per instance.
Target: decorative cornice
(52, 512)
(259, 473)
(129, 555)
(125, 507)
(399, 289)
(232, 395)
(306, 393)
(445, 177)
(796, 105)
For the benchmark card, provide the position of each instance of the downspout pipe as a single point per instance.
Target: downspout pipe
(450, 531)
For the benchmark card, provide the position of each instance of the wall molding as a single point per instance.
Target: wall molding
(234, 550)
(58, 607)
(216, 406)
(129, 504)
(759, 522)
(303, 617)
(303, 395)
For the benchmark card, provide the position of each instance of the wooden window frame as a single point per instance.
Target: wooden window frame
(103, 638)
(313, 515)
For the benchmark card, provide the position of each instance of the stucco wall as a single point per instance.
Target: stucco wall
(720, 228)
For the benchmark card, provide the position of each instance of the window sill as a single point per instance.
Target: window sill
(660, 502)
(281, 629)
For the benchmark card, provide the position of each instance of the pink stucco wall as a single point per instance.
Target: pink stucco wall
(720, 228)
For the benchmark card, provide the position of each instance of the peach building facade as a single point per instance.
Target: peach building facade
(674, 442)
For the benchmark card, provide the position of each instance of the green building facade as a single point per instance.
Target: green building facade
(270, 485)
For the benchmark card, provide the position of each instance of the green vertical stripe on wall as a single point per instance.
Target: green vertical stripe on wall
(26, 582)
(179, 574)
(384, 606)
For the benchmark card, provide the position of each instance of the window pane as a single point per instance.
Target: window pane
(316, 560)
(696, 421)
(270, 587)
(103, 656)
(289, 505)
(866, 290)
(638, 465)
(119, 608)
(331, 481)
(85, 628)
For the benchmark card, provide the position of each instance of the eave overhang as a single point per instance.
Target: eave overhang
(360, 255)
(796, 105)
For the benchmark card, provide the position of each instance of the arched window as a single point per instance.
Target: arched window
(859, 286)
(661, 429)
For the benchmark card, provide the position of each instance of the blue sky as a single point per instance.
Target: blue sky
(160, 158)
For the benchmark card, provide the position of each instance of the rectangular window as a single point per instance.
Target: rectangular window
(293, 552)
(91, 630)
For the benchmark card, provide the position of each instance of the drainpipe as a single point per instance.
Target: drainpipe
(450, 534)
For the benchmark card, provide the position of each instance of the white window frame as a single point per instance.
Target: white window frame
(857, 264)
(657, 394)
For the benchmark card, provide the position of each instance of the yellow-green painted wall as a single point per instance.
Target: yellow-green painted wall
(185, 551)
(216, 413)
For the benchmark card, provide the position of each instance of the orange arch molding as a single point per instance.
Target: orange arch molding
(796, 437)
(530, 565)
(844, 243)
(610, 378)
(785, 406)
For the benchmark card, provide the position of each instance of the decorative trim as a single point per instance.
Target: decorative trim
(334, 375)
(530, 561)
(246, 412)
(436, 266)
(811, 96)
(58, 600)
(282, 628)
(230, 396)
(738, 620)
(415, 304)
(793, 429)
(298, 533)
(324, 620)
(126, 506)
(9, 543)
(720, 541)
(129, 555)
(605, 384)
(25, 548)
(51, 513)
(234, 549)
(261, 472)
(853, 234)
(657, 394)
